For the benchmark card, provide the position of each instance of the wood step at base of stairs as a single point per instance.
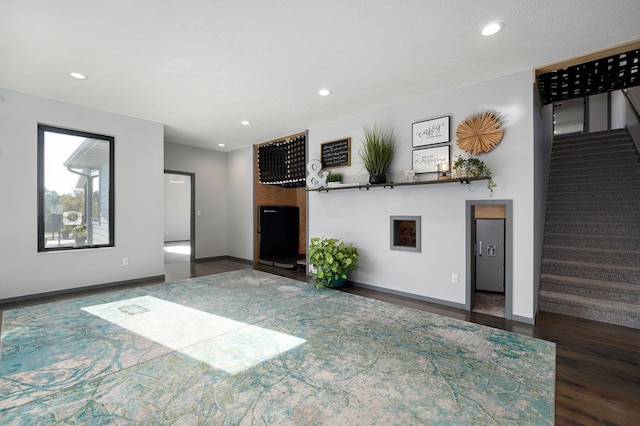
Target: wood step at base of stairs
(621, 195)
(594, 228)
(594, 255)
(613, 273)
(603, 242)
(594, 289)
(617, 313)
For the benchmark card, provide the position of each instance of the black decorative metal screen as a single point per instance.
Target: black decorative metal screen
(591, 78)
(283, 163)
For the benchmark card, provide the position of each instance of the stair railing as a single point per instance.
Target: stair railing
(634, 130)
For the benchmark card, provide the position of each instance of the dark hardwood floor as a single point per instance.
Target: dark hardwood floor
(597, 365)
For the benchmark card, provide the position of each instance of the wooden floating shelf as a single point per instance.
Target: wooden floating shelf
(390, 185)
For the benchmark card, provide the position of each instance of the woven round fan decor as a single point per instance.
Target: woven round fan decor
(479, 133)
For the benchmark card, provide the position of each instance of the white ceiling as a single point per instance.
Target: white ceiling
(202, 66)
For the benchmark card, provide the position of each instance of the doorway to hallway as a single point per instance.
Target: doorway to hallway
(179, 216)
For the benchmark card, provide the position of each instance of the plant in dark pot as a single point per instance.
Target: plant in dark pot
(377, 152)
(332, 260)
(80, 234)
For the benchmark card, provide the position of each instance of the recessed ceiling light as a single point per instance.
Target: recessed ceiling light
(78, 75)
(492, 28)
(245, 122)
(324, 92)
(221, 145)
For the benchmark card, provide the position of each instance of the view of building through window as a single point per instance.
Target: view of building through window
(75, 194)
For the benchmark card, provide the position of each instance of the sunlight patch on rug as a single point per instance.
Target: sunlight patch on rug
(231, 346)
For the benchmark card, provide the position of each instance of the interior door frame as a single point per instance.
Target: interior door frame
(192, 211)
(508, 253)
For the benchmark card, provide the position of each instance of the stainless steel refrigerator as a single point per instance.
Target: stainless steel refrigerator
(490, 255)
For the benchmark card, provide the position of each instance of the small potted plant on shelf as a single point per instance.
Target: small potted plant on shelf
(332, 260)
(377, 152)
(468, 166)
(334, 179)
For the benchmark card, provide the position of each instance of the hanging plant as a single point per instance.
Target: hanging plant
(479, 133)
(468, 166)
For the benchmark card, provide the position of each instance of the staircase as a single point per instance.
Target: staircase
(591, 255)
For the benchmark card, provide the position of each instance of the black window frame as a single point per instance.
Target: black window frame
(42, 129)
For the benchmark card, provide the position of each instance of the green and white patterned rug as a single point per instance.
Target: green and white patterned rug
(247, 347)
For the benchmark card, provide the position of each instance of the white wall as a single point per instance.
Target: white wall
(240, 204)
(362, 217)
(598, 112)
(177, 208)
(139, 219)
(210, 170)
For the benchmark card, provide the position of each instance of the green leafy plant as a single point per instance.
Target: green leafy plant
(80, 231)
(377, 150)
(331, 259)
(334, 177)
(470, 166)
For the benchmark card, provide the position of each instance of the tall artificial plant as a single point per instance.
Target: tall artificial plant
(377, 152)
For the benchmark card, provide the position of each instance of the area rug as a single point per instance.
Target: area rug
(247, 347)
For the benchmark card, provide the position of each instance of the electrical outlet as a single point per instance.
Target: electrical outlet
(125, 261)
(454, 278)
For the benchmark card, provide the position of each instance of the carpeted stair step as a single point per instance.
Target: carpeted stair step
(598, 172)
(594, 228)
(602, 242)
(593, 205)
(564, 150)
(627, 174)
(596, 256)
(622, 184)
(603, 136)
(601, 196)
(594, 289)
(594, 161)
(586, 159)
(618, 216)
(624, 314)
(614, 273)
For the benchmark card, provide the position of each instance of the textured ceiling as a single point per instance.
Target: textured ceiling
(202, 66)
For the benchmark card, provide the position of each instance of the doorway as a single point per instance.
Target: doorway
(179, 214)
(489, 259)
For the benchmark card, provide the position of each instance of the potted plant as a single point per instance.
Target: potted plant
(80, 234)
(377, 152)
(332, 260)
(468, 166)
(333, 179)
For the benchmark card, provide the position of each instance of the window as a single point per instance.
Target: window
(75, 189)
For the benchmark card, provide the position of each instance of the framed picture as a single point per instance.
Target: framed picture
(431, 132)
(426, 160)
(336, 153)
